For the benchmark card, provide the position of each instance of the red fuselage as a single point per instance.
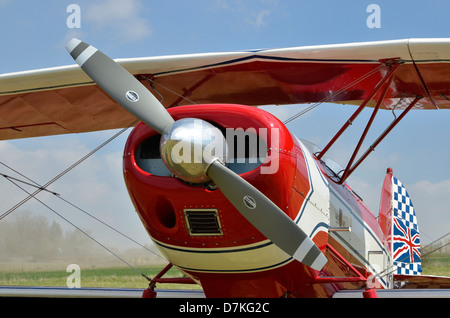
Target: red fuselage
(203, 235)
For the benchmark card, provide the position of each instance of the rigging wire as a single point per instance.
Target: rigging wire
(36, 185)
(44, 188)
(393, 268)
(79, 229)
(152, 84)
(31, 195)
(329, 97)
(27, 183)
(438, 248)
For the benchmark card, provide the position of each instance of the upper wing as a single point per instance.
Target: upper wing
(65, 100)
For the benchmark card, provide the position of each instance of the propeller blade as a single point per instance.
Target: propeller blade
(126, 90)
(120, 85)
(263, 214)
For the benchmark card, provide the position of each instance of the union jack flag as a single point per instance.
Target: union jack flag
(405, 234)
(406, 243)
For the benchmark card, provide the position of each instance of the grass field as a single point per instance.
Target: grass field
(106, 277)
(436, 264)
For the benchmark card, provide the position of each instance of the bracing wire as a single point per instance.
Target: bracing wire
(331, 96)
(44, 188)
(31, 195)
(36, 185)
(79, 229)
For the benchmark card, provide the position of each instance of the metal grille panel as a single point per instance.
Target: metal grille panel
(203, 222)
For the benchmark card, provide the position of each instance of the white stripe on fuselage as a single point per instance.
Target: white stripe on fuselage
(316, 207)
(256, 257)
(323, 196)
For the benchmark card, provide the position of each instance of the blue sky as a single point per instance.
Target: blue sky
(34, 35)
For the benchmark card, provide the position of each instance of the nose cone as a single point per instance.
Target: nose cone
(190, 147)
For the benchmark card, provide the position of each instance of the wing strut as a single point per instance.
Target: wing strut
(387, 78)
(349, 170)
(383, 84)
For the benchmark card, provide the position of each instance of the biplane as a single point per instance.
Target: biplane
(226, 192)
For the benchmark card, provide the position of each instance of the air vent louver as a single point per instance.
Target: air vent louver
(204, 222)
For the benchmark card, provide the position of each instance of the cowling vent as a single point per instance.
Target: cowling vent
(203, 222)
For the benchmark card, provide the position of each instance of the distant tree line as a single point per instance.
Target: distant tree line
(441, 246)
(29, 238)
(25, 237)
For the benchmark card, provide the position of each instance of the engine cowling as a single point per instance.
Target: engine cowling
(194, 225)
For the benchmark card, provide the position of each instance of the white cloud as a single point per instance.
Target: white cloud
(122, 18)
(258, 19)
(431, 203)
(252, 13)
(112, 10)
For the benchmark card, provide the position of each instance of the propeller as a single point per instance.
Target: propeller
(120, 85)
(195, 151)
